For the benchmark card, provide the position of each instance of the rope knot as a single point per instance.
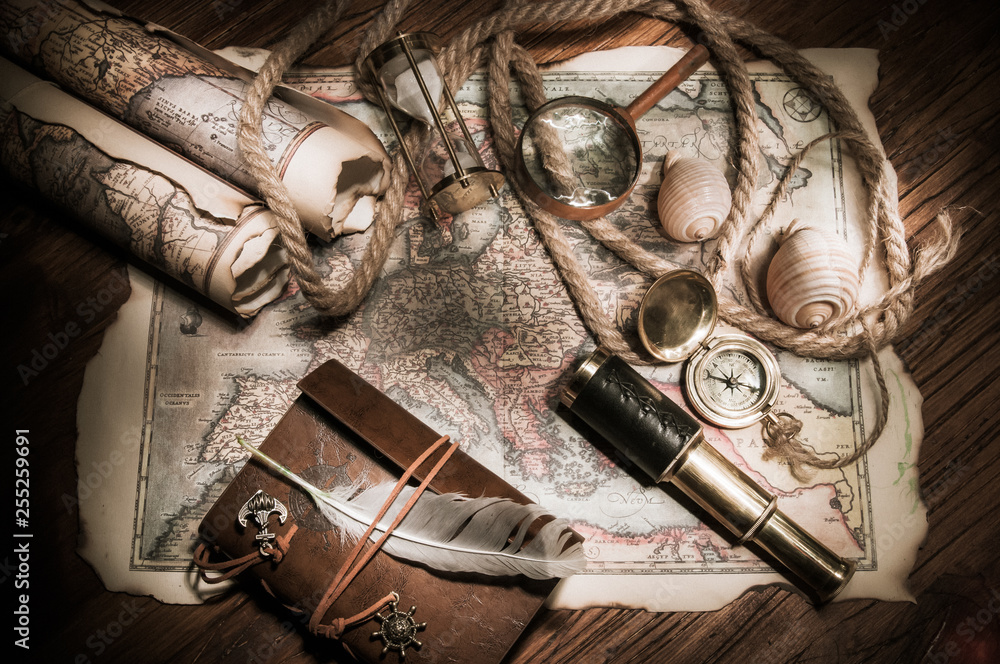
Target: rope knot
(333, 630)
(781, 435)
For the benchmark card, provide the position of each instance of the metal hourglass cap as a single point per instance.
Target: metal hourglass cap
(396, 76)
(450, 172)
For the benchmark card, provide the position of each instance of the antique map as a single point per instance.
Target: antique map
(139, 195)
(470, 328)
(142, 79)
(191, 105)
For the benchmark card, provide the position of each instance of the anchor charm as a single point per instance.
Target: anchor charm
(259, 507)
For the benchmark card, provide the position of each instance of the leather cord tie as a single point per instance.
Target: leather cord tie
(359, 555)
(353, 563)
(230, 568)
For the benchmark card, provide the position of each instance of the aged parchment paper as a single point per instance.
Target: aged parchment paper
(472, 330)
(182, 220)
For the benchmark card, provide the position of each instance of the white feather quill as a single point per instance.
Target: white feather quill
(450, 532)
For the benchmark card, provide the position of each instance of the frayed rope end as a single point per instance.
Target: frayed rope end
(934, 254)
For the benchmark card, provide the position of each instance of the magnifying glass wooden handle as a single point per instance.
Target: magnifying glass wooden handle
(684, 67)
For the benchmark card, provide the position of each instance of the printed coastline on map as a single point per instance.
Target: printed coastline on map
(145, 77)
(470, 328)
(192, 225)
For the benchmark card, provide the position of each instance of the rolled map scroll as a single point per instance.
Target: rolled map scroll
(191, 103)
(190, 224)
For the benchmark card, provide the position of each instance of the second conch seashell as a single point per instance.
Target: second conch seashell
(812, 280)
(694, 198)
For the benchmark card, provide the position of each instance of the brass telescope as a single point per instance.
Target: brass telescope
(669, 446)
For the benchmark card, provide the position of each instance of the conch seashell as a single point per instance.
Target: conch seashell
(694, 198)
(812, 280)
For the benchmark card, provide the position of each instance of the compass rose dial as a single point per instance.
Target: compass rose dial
(732, 381)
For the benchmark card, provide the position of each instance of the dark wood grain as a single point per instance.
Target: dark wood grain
(936, 113)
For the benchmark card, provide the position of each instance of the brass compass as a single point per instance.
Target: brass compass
(731, 380)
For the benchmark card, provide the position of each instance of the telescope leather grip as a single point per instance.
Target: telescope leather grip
(622, 406)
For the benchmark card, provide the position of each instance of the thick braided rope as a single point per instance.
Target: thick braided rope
(548, 226)
(331, 302)
(872, 328)
(888, 314)
(787, 445)
(718, 29)
(504, 51)
(845, 342)
(504, 137)
(251, 144)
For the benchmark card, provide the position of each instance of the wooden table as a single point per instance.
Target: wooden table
(936, 115)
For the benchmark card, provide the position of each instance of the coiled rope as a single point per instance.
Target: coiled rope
(491, 41)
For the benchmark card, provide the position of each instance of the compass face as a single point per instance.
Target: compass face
(733, 382)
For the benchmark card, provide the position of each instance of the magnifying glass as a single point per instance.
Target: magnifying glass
(579, 158)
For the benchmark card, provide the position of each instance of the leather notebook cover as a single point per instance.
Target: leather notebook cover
(340, 429)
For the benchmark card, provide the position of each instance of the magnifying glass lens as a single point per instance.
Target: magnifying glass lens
(580, 156)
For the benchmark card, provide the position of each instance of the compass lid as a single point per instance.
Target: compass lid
(677, 314)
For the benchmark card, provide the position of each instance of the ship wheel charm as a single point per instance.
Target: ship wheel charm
(399, 630)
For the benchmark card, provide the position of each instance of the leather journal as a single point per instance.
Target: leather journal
(339, 431)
